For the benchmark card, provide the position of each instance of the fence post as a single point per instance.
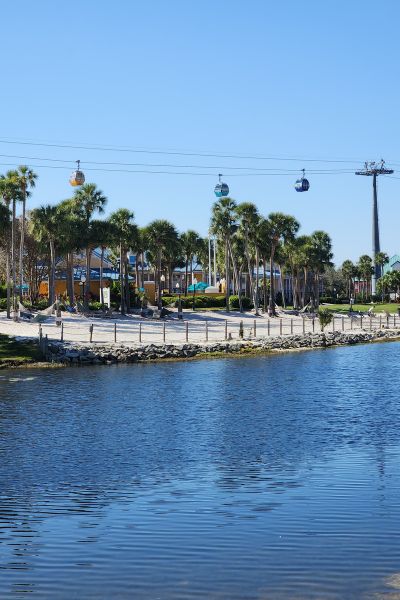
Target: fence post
(370, 323)
(342, 323)
(387, 321)
(163, 332)
(351, 323)
(269, 327)
(280, 326)
(304, 325)
(361, 318)
(394, 321)
(206, 331)
(140, 332)
(291, 326)
(62, 331)
(255, 328)
(380, 321)
(226, 329)
(313, 324)
(187, 330)
(91, 333)
(115, 333)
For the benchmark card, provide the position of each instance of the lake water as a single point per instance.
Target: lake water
(261, 478)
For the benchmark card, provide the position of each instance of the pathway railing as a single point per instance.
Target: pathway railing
(200, 331)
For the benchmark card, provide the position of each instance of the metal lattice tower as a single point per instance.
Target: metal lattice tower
(373, 169)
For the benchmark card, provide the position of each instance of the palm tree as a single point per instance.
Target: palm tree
(44, 223)
(348, 270)
(321, 258)
(8, 192)
(249, 220)
(224, 225)
(366, 270)
(89, 200)
(190, 241)
(280, 227)
(103, 235)
(161, 235)
(123, 232)
(25, 178)
(381, 259)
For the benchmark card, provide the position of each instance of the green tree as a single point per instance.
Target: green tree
(281, 227)
(25, 179)
(161, 235)
(125, 231)
(349, 272)
(249, 220)
(88, 200)
(44, 223)
(190, 244)
(224, 225)
(366, 270)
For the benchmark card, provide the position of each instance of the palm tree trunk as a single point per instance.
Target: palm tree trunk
(127, 290)
(101, 277)
(21, 248)
(8, 282)
(272, 283)
(52, 273)
(14, 257)
(186, 275)
(264, 285)
(159, 301)
(255, 287)
(227, 282)
(142, 282)
(137, 271)
(87, 288)
(121, 279)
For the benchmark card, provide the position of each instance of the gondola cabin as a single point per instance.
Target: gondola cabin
(77, 177)
(221, 189)
(302, 184)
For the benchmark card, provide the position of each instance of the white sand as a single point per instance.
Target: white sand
(76, 328)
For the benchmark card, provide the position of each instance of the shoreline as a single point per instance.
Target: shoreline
(64, 354)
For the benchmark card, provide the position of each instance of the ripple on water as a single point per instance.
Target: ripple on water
(269, 477)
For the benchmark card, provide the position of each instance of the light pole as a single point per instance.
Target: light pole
(162, 281)
(83, 281)
(178, 291)
(194, 282)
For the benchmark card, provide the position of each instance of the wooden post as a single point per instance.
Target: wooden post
(255, 328)
(291, 326)
(394, 321)
(361, 318)
(62, 331)
(333, 324)
(269, 327)
(140, 332)
(163, 332)
(313, 324)
(380, 321)
(280, 326)
(226, 329)
(187, 330)
(387, 321)
(351, 323)
(342, 323)
(115, 332)
(304, 325)
(206, 331)
(91, 333)
(370, 323)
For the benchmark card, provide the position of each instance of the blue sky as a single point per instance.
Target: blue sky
(286, 79)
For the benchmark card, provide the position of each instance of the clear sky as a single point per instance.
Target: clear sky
(286, 79)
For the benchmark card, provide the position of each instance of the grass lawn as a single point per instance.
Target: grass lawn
(344, 308)
(12, 352)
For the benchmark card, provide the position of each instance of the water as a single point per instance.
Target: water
(262, 478)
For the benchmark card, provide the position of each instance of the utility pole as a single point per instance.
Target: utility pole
(373, 169)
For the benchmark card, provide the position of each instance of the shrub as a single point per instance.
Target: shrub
(234, 302)
(95, 306)
(3, 291)
(325, 317)
(3, 303)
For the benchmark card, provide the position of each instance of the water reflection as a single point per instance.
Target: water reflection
(144, 464)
